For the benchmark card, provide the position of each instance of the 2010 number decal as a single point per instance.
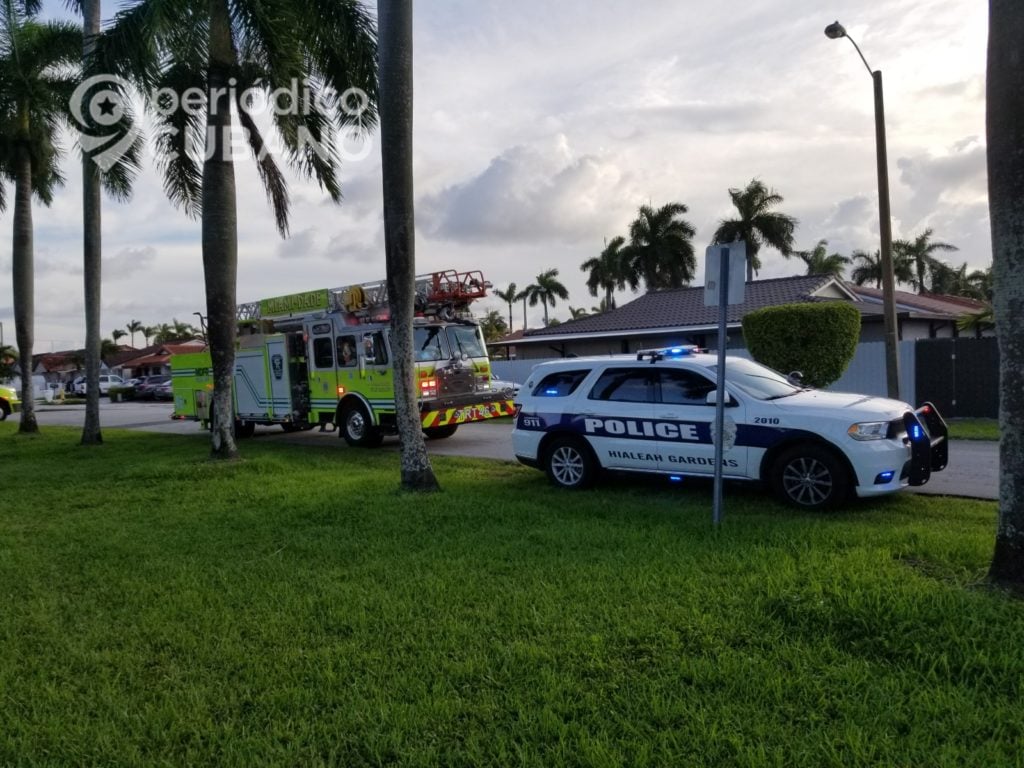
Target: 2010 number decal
(765, 420)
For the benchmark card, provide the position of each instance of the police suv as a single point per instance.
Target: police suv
(655, 413)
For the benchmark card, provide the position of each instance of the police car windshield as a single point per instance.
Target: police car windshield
(756, 380)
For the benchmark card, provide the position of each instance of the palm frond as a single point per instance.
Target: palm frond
(273, 180)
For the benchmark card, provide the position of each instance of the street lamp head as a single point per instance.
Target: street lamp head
(835, 30)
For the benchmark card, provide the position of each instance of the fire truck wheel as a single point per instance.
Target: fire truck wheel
(244, 428)
(358, 429)
(440, 433)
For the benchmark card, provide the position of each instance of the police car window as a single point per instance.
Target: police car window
(323, 352)
(757, 380)
(560, 384)
(624, 385)
(684, 387)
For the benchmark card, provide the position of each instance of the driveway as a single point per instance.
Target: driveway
(973, 469)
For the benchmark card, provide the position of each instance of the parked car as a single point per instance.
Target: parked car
(107, 380)
(148, 385)
(655, 413)
(164, 390)
(509, 388)
(9, 402)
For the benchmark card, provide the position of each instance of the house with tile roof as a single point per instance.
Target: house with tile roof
(678, 316)
(157, 358)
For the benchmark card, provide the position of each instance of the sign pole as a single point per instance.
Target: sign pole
(723, 310)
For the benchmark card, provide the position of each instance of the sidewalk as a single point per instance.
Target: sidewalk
(973, 471)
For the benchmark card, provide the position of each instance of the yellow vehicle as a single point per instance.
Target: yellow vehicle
(324, 358)
(9, 402)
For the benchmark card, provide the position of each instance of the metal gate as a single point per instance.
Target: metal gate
(961, 376)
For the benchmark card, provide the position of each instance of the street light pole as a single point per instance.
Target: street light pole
(892, 356)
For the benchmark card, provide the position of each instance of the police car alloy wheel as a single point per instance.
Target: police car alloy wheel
(569, 463)
(810, 477)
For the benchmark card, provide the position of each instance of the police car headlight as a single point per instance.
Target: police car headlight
(869, 430)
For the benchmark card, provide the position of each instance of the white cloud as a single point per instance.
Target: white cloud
(540, 127)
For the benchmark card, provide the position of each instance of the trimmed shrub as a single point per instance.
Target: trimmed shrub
(816, 339)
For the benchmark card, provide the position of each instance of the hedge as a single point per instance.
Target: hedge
(816, 339)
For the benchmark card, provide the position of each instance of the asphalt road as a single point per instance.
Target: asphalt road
(973, 469)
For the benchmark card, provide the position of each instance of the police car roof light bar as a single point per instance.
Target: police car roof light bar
(663, 352)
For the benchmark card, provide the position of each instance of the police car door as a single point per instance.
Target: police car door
(685, 424)
(616, 418)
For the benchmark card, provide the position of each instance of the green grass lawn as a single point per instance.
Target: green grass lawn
(973, 429)
(294, 608)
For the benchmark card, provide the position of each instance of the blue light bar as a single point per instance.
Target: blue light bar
(884, 477)
(675, 478)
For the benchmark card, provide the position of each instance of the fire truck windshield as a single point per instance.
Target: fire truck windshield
(428, 343)
(465, 340)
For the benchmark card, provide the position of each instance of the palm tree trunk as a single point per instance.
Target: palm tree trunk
(510, 317)
(524, 315)
(545, 303)
(1005, 128)
(395, 52)
(220, 233)
(91, 251)
(23, 279)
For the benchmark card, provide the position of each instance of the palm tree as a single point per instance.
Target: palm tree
(660, 250)
(399, 229)
(148, 332)
(977, 322)
(135, 326)
(493, 326)
(1004, 99)
(981, 280)
(575, 313)
(821, 263)
(98, 172)
(546, 290)
(36, 82)
(607, 270)
(230, 50)
(757, 224)
(601, 307)
(509, 296)
(868, 268)
(117, 334)
(919, 254)
(164, 333)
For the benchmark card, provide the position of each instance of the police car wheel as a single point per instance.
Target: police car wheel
(5, 411)
(569, 463)
(810, 477)
(358, 429)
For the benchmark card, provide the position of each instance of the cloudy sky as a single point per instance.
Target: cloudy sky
(541, 127)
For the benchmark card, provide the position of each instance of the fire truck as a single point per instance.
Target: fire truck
(325, 358)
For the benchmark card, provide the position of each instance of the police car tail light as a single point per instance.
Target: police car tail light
(869, 430)
(428, 387)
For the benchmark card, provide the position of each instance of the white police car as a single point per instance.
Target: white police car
(655, 413)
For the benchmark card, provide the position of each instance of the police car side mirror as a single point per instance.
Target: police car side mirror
(712, 398)
(796, 378)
